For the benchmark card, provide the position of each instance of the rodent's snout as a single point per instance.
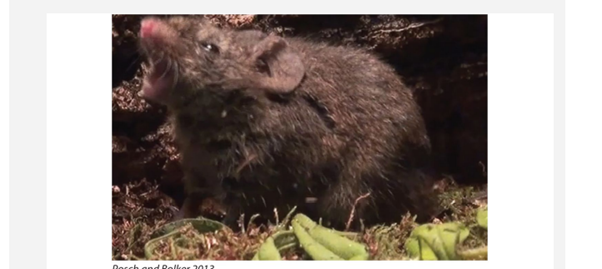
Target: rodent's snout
(157, 31)
(146, 27)
(156, 38)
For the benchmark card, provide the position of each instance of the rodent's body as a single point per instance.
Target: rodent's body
(349, 127)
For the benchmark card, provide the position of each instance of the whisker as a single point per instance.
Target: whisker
(175, 75)
(140, 50)
(134, 61)
(159, 59)
(167, 69)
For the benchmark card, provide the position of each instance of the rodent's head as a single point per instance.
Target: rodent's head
(189, 56)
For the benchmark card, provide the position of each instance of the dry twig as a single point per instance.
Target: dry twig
(353, 210)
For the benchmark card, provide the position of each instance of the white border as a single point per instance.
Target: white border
(584, 133)
(71, 164)
(4, 109)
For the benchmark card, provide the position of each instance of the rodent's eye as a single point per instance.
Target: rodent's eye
(262, 66)
(210, 47)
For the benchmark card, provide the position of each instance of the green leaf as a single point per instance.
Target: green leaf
(314, 249)
(202, 225)
(319, 242)
(271, 248)
(436, 241)
(172, 230)
(268, 251)
(482, 217)
(333, 240)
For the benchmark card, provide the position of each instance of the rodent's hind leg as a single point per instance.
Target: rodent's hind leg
(338, 204)
(191, 208)
(413, 190)
(233, 216)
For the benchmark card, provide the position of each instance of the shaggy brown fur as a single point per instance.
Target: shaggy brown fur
(265, 122)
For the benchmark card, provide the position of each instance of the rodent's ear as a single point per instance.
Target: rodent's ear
(281, 65)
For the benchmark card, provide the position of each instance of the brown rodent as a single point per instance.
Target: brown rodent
(264, 122)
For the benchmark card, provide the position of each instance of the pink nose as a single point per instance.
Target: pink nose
(146, 27)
